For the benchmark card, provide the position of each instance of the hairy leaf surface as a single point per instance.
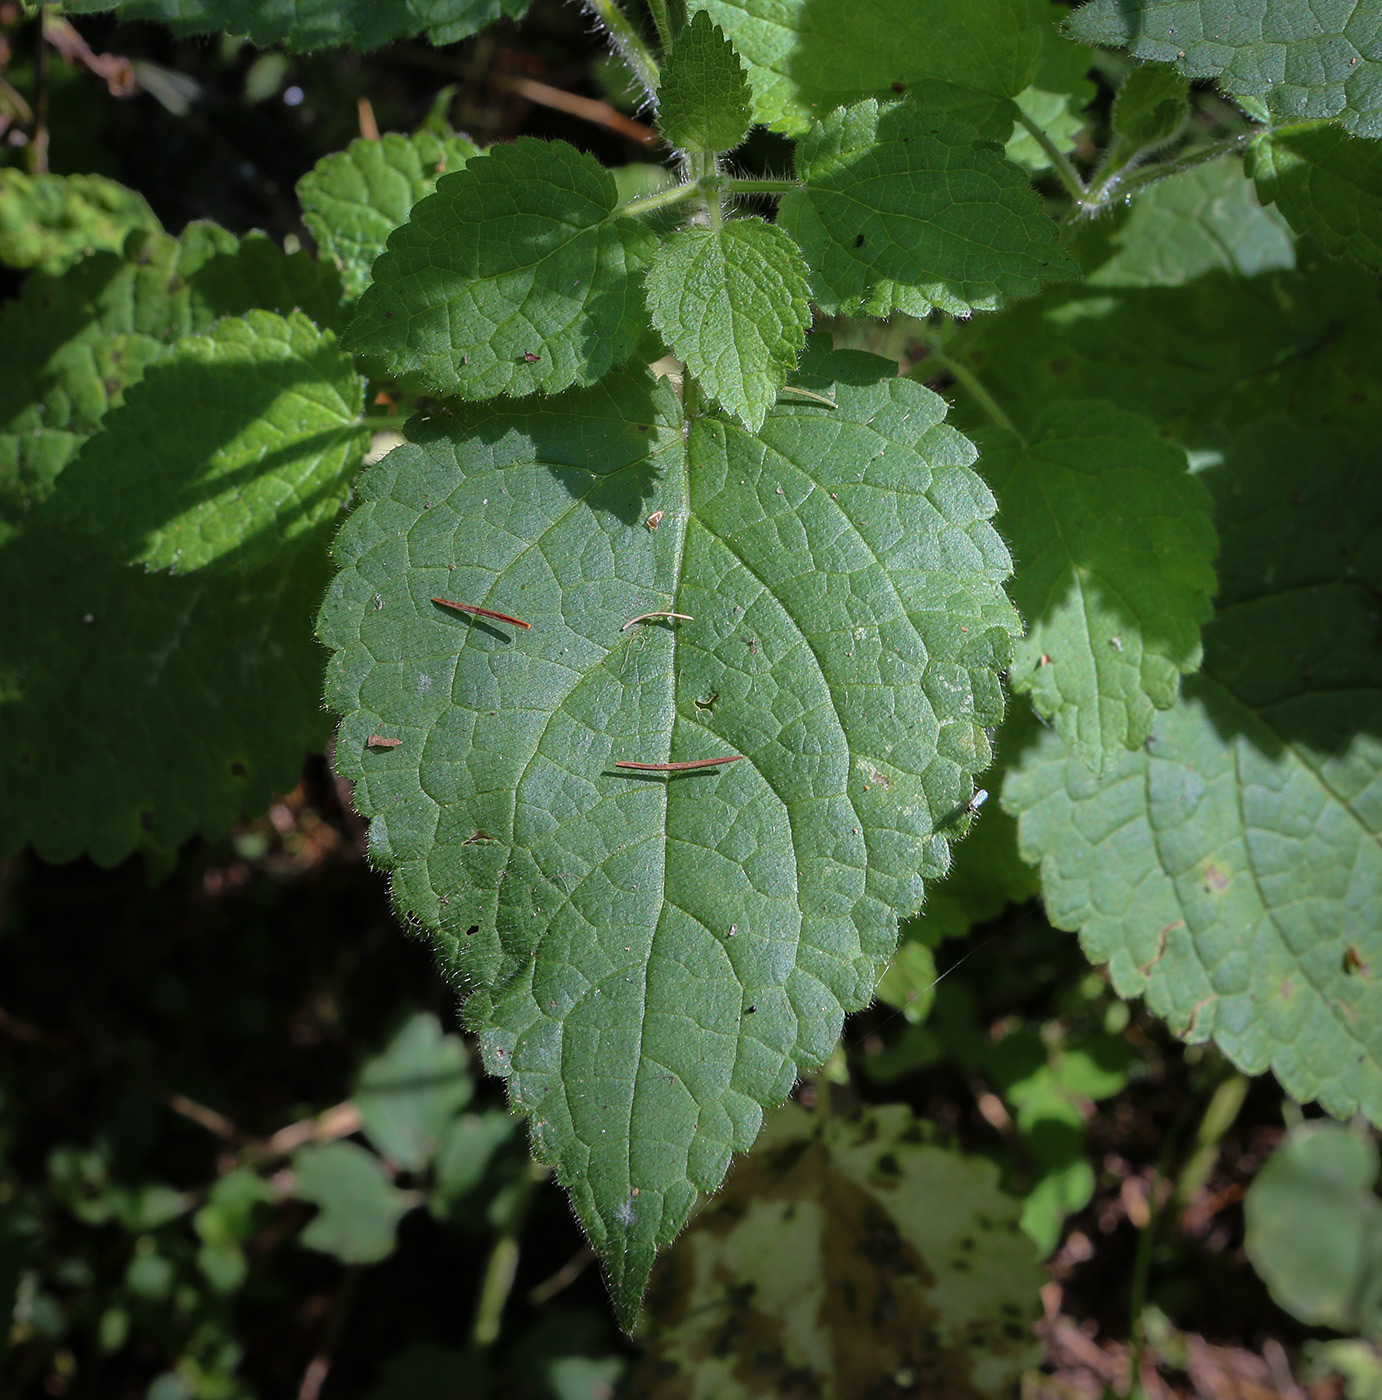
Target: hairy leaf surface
(353, 200)
(906, 210)
(1113, 542)
(309, 24)
(1302, 60)
(1327, 184)
(733, 304)
(516, 275)
(785, 1261)
(654, 956)
(704, 101)
(1232, 869)
(805, 58)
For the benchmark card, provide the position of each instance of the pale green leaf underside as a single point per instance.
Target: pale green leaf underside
(515, 276)
(353, 200)
(1327, 184)
(260, 463)
(905, 210)
(1322, 59)
(1113, 543)
(789, 1250)
(360, 1207)
(653, 958)
(704, 101)
(1200, 221)
(304, 25)
(49, 221)
(805, 59)
(734, 305)
(1228, 868)
(141, 708)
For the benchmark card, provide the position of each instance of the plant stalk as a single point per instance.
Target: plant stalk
(626, 38)
(503, 1261)
(662, 21)
(1060, 162)
(969, 381)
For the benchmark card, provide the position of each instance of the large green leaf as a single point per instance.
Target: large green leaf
(353, 200)
(653, 957)
(516, 276)
(1113, 542)
(1327, 184)
(1302, 60)
(1232, 869)
(49, 221)
(846, 1259)
(142, 707)
(906, 210)
(312, 24)
(733, 304)
(806, 58)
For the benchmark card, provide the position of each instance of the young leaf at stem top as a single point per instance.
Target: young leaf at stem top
(653, 956)
(704, 101)
(733, 303)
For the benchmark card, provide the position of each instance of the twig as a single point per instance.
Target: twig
(369, 128)
(564, 1277)
(38, 147)
(588, 109)
(643, 617)
(314, 1377)
(475, 611)
(678, 767)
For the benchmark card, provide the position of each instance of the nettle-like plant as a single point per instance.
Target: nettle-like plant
(667, 690)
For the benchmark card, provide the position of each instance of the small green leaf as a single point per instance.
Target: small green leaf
(653, 957)
(362, 24)
(1151, 108)
(1113, 543)
(1327, 184)
(517, 275)
(360, 1206)
(49, 221)
(409, 1094)
(733, 303)
(789, 1251)
(1314, 1228)
(1055, 100)
(906, 210)
(1318, 60)
(353, 200)
(1231, 870)
(805, 58)
(704, 101)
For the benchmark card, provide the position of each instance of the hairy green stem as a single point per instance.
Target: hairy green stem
(1151, 174)
(1060, 162)
(737, 186)
(645, 204)
(629, 42)
(383, 422)
(663, 23)
(503, 1261)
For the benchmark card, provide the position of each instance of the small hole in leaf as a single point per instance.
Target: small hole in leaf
(146, 821)
(238, 770)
